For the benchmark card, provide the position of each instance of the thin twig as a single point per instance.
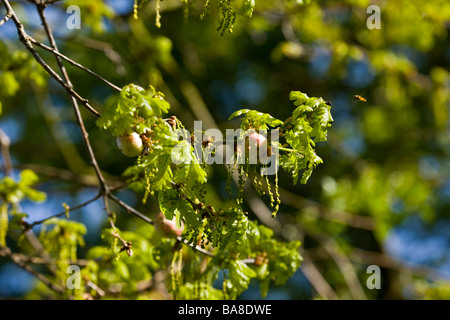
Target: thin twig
(74, 63)
(92, 159)
(126, 245)
(197, 248)
(6, 18)
(130, 209)
(38, 260)
(108, 211)
(49, 1)
(94, 287)
(6, 252)
(24, 38)
(69, 209)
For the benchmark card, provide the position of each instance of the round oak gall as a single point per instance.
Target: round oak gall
(130, 144)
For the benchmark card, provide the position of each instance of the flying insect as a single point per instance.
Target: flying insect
(359, 98)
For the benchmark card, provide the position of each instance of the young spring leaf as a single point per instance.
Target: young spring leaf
(255, 120)
(307, 125)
